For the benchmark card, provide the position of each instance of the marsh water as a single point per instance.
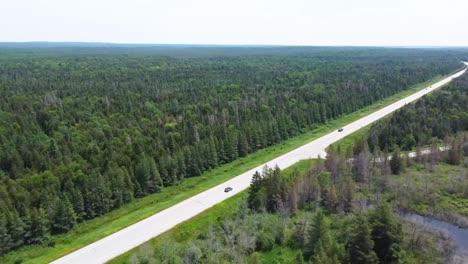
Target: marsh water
(459, 235)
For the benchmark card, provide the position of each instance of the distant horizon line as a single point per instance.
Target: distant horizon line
(99, 43)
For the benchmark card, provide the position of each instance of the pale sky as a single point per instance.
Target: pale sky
(286, 22)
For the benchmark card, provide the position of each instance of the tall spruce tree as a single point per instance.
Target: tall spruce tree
(396, 163)
(386, 233)
(255, 186)
(360, 245)
(63, 218)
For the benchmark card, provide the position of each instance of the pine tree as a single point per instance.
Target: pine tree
(17, 229)
(255, 185)
(213, 157)
(182, 170)
(322, 246)
(54, 151)
(143, 174)
(6, 241)
(324, 254)
(360, 244)
(396, 163)
(231, 145)
(164, 173)
(173, 171)
(191, 166)
(64, 217)
(243, 145)
(301, 231)
(155, 182)
(39, 228)
(275, 186)
(102, 194)
(129, 186)
(299, 258)
(222, 152)
(319, 231)
(386, 233)
(455, 152)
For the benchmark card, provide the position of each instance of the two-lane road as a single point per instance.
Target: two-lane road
(136, 234)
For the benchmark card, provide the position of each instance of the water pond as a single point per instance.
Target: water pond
(459, 235)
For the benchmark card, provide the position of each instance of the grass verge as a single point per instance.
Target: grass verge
(191, 228)
(95, 229)
(188, 230)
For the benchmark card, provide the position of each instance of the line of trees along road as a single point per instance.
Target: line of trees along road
(85, 130)
(435, 117)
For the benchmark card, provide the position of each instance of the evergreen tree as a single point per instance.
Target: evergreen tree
(386, 233)
(213, 157)
(39, 228)
(255, 185)
(143, 174)
(64, 217)
(301, 232)
(327, 252)
(275, 189)
(54, 151)
(17, 229)
(319, 231)
(192, 166)
(360, 244)
(243, 145)
(396, 163)
(322, 245)
(6, 241)
(299, 258)
(154, 181)
(455, 152)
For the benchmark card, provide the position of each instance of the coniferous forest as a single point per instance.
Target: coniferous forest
(433, 117)
(348, 208)
(85, 130)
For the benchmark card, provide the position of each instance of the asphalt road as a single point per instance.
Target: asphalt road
(118, 243)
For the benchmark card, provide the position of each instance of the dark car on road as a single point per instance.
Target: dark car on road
(341, 129)
(227, 189)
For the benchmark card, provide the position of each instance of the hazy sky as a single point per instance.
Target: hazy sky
(291, 22)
